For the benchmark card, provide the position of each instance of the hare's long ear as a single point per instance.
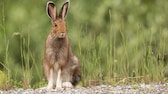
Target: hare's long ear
(51, 10)
(64, 10)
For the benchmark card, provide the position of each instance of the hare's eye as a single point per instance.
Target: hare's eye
(55, 25)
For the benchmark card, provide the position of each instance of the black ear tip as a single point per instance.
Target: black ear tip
(50, 2)
(67, 2)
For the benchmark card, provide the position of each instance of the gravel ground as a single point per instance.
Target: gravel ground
(102, 89)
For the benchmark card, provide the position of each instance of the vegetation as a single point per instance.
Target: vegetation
(116, 41)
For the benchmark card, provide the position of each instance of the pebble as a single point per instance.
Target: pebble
(102, 89)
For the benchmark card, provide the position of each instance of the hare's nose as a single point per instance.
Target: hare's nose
(62, 33)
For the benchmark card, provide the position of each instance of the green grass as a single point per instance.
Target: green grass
(129, 60)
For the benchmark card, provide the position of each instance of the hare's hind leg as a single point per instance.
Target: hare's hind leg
(67, 85)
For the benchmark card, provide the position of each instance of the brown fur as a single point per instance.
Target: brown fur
(58, 52)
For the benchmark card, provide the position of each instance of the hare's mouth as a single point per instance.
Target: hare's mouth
(62, 35)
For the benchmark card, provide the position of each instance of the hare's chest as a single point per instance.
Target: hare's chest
(56, 54)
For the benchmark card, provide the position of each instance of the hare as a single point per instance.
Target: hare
(61, 67)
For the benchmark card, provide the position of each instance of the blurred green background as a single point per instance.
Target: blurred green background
(117, 41)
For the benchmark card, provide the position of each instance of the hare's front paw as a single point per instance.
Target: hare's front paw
(50, 84)
(67, 85)
(49, 87)
(59, 86)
